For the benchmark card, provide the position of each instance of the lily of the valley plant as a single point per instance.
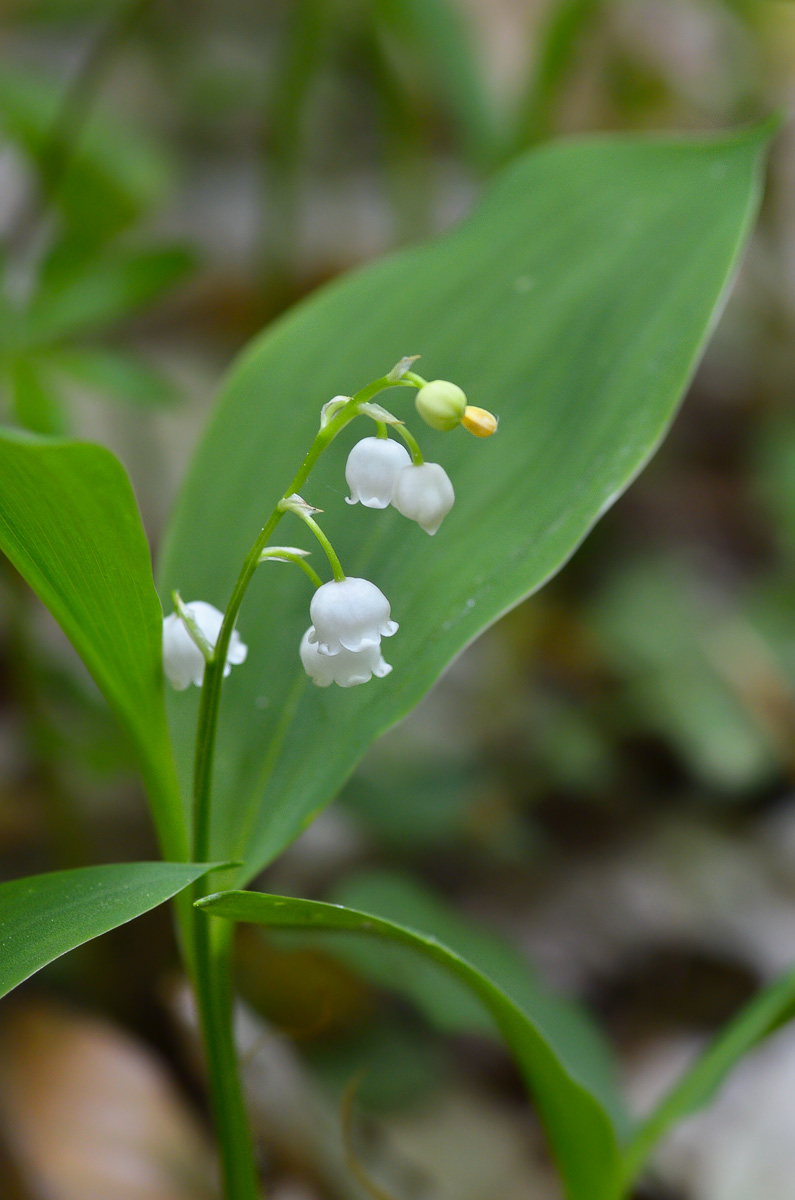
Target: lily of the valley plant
(349, 617)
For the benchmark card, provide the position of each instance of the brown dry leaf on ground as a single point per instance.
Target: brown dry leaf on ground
(90, 1114)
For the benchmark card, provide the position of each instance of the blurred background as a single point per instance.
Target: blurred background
(598, 797)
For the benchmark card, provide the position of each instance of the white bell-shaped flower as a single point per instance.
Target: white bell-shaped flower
(349, 614)
(346, 669)
(183, 661)
(424, 494)
(372, 466)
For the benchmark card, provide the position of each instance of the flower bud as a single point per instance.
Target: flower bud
(441, 404)
(479, 421)
(347, 668)
(183, 661)
(370, 471)
(424, 494)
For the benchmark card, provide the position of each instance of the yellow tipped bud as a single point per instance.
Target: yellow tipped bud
(479, 421)
(441, 404)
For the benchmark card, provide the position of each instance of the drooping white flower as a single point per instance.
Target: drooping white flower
(372, 466)
(347, 668)
(349, 614)
(183, 661)
(424, 494)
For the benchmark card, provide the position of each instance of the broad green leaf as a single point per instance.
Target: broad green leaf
(766, 1013)
(575, 302)
(573, 1037)
(44, 916)
(70, 525)
(579, 1129)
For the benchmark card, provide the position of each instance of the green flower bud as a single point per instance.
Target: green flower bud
(441, 404)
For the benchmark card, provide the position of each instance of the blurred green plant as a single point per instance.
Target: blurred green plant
(72, 271)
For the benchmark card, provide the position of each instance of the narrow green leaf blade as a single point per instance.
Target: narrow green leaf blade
(44, 916)
(579, 1129)
(572, 1035)
(70, 525)
(766, 1013)
(438, 32)
(575, 302)
(558, 41)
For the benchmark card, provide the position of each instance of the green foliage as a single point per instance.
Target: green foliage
(32, 400)
(579, 1129)
(94, 179)
(111, 176)
(82, 549)
(764, 1015)
(435, 33)
(45, 916)
(563, 29)
(673, 641)
(453, 1009)
(116, 374)
(93, 293)
(575, 302)
(81, 294)
(410, 805)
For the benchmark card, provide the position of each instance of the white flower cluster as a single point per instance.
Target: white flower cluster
(379, 472)
(349, 616)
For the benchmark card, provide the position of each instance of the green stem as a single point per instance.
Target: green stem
(285, 556)
(213, 983)
(413, 445)
(330, 552)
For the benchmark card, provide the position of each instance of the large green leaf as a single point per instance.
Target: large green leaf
(578, 1127)
(70, 525)
(44, 916)
(766, 1013)
(575, 302)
